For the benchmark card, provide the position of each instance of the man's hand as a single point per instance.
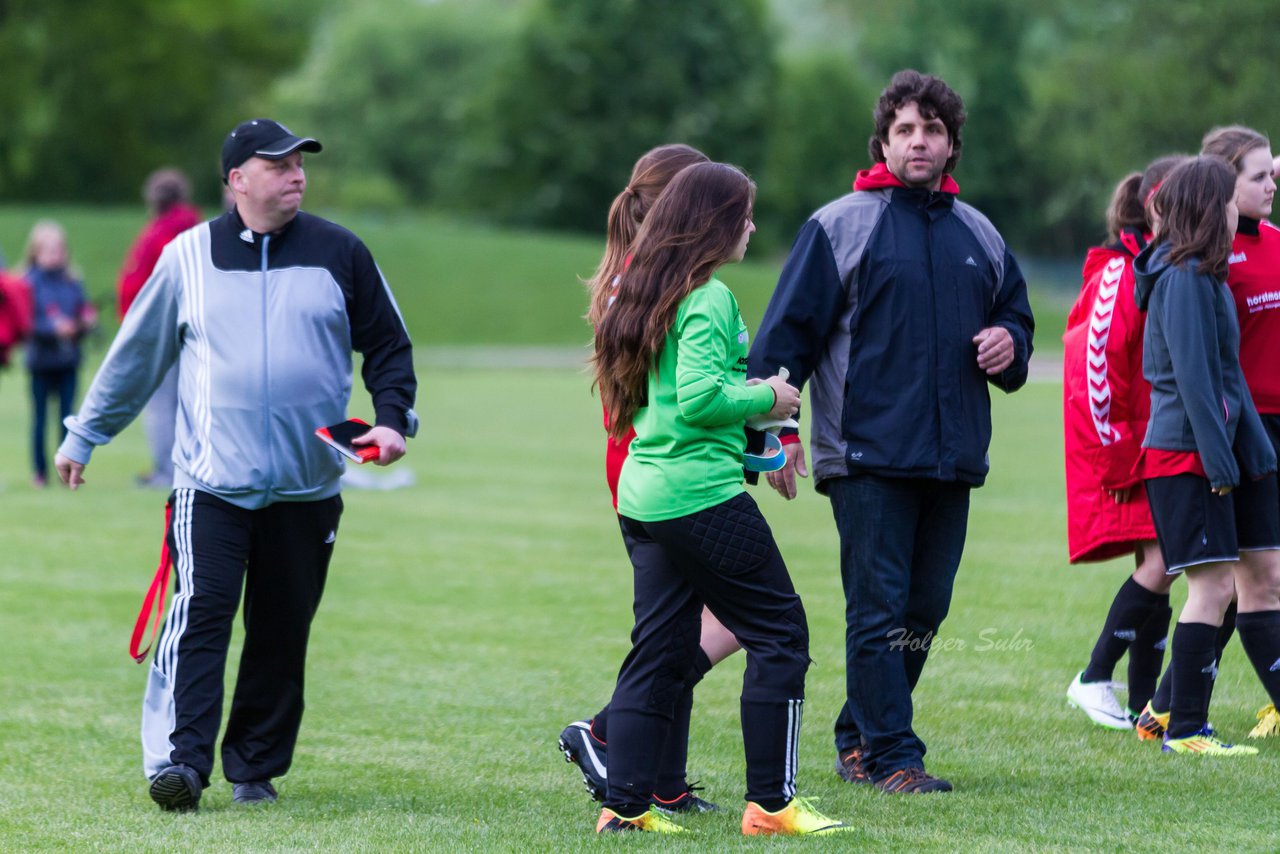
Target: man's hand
(784, 479)
(995, 349)
(69, 471)
(390, 444)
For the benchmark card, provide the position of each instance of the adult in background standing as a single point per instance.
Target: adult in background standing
(261, 309)
(167, 193)
(901, 303)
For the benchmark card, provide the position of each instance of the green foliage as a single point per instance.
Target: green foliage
(817, 136)
(589, 86)
(977, 46)
(1121, 84)
(390, 88)
(96, 95)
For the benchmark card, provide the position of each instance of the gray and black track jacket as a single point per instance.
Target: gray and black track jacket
(1191, 357)
(876, 309)
(263, 328)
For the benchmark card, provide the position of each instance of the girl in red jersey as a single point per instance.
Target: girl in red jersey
(1253, 275)
(1204, 439)
(1105, 406)
(584, 742)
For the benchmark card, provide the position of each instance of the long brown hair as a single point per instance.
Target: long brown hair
(1232, 143)
(1129, 201)
(650, 176)
(693, 228)
(1192, 204)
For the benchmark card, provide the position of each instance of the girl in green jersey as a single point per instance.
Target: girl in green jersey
(670, 361)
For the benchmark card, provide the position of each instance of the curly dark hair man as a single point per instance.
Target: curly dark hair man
(932, 97)
(899, 307)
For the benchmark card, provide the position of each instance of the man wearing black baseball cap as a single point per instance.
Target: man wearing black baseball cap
(263, 138)
(260, 309)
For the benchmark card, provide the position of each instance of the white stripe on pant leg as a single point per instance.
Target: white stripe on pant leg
(158, 718)
(794, 715)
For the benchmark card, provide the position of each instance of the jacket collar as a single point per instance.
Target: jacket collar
(879, 177)
(249, 237)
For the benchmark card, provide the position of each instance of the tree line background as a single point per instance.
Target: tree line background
(531, 112)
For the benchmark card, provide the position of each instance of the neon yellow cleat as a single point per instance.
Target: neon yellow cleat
(795, 819)
(1268, 722)
(648, 822)
(1204, 743)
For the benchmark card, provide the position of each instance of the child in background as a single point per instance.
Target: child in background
(61, 316)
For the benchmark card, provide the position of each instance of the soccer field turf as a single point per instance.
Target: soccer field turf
(471, 616)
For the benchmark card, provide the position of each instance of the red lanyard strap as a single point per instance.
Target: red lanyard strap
(154, 599)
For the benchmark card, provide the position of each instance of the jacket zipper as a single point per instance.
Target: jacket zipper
(266, 376)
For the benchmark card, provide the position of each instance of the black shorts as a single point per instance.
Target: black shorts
(1194, 526)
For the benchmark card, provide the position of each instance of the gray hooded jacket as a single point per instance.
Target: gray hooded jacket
(1191, 357)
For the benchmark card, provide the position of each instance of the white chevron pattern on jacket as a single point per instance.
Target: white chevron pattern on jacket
(1099, 331)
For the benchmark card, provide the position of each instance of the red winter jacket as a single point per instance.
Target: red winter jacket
(1105, 406)
(145, 251)
(15, 313)
(1254, 279)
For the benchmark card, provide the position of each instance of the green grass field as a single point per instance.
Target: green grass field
(469, 617)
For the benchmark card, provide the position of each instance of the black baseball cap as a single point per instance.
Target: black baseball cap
(262, 138)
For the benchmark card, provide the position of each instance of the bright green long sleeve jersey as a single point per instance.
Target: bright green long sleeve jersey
(687, 454)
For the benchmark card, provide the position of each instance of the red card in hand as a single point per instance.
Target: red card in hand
(339, 436)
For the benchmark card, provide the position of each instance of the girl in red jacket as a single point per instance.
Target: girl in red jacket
(584, 742)
(1105, 406)
(1253, 275)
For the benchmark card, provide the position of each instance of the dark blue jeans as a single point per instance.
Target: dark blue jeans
(43, 385)
(900, 545)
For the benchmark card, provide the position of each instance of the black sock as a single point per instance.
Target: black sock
(1225, 633)
(1129, 611)
(1164, 693)
(1194, 668)
(1260, 637)
(671, 783)
(600, 725)
(1146, 655)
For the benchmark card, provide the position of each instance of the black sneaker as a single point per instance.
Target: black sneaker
(177, 789)
(253, 792)
(688, 802)
(912, 781)
(852, 767)
(590, 754)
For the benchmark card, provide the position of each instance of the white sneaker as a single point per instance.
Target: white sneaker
(1098, 701)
